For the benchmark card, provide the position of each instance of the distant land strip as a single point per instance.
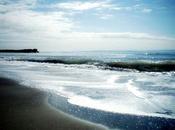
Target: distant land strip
(19, 51)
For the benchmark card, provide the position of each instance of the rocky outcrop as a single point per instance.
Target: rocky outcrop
(20, 51)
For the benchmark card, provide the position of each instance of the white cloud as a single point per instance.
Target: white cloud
(90, 41)
(10, 5)
(98, 5)
(115, 35)
(147, 10)
(34, 24)
(18, 20)
(18, 23)
(71, 41)
(79, 5)
(104, 16)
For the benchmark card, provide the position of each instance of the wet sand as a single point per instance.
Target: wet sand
(23, 108)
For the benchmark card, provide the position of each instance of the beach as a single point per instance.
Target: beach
(24, 108)
(87, 90)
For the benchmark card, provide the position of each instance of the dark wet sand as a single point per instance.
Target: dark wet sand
(23, 108)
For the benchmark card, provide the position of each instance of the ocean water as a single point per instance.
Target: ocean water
(138, 83)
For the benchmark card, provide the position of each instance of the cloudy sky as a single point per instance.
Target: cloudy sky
(65, 25)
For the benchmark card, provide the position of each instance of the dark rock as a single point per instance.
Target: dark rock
(20, 51)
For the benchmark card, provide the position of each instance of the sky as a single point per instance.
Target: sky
(79, 25)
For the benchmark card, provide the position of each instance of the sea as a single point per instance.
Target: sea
(126, 90)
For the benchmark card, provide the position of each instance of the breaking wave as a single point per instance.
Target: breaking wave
(137, 65)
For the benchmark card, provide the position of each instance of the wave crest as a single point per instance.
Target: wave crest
(137, 65)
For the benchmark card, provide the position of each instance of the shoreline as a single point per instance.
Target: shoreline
(110, 119)
(23, 108)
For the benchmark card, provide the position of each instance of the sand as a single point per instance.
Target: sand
(23, 108)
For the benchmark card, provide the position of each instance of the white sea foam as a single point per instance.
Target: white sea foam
(114, 91)
(134, 89)
(112, 79)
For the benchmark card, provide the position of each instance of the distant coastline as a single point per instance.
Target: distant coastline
(19, 51)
